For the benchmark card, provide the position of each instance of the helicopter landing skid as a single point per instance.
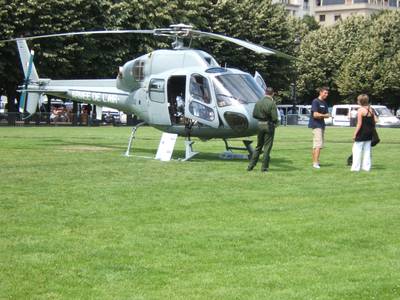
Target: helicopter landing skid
(189, 153)
(131, 138)
(228, 154)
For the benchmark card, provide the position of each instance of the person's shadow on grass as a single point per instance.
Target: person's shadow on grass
(282, 165)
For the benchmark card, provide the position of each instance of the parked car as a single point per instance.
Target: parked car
(341, 115)
(385, 116)
(113, 116)
(110, 116)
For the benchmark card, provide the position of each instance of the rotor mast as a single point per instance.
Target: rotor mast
(178, 31)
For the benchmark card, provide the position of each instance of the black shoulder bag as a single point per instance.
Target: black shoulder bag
(375, 137)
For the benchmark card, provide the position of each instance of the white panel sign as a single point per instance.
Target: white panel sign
(166, 147)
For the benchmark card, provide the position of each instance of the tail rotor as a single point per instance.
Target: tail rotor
(22, 100)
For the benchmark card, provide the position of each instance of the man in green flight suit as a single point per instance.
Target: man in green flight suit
(266, 113)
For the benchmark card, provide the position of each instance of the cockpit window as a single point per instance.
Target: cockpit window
(200, 89)
(242, 88)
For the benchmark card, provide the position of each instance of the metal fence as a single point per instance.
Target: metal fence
(294, 119)
(83, 119)
(49, 119)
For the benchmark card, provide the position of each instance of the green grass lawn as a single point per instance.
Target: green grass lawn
(80, 221)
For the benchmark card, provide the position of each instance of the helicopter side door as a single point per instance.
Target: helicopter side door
(158, 106)
(200, 103)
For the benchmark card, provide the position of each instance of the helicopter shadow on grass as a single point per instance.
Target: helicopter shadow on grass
(277, 164)
(207, 156)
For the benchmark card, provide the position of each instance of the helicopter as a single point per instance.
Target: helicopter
(181, 91)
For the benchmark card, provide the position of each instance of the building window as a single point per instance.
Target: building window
(338, 18)
(322, 18)
(393, 3)
(318, 2)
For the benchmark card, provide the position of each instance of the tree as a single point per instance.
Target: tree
(260, 22)
(98, 56)
(311, 23)
(315, 62)
(374, 67)
(77, 57)
(323, 53)
(9, 77)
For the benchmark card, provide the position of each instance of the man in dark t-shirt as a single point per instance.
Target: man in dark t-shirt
(319, 111)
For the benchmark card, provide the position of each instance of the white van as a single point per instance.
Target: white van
(342, 113)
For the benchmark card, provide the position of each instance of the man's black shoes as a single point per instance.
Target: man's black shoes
(263, 170)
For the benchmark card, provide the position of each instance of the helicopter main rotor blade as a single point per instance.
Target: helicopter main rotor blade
(175, 31)
(79, 33)
(254, 47)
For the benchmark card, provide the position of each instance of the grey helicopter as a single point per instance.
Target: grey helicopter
(182, 91)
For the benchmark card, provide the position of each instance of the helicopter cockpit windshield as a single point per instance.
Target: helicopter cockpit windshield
(236, 88)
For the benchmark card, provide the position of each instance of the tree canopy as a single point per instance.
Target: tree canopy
(358, 54)
(99, 57)
(374, 65)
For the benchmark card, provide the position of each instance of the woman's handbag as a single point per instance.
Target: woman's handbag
(375, 138)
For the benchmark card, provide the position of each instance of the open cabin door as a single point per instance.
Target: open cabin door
(200, 104)
(260, 80)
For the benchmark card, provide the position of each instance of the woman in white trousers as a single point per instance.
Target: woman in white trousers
(362, 137)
